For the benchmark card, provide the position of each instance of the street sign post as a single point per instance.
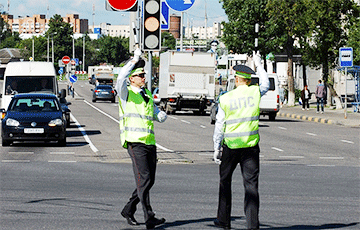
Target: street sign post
(180, 5)
(66, 60)
(346, 60)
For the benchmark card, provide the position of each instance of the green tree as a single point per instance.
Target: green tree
(288, 16)
(112, 50)
(40, 48)
(168, 40)
(330, 23)
(354, 40)
(61, 33)
(4, 31)
(10, 41)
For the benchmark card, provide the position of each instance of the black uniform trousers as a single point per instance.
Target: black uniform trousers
(250, 168)
(144, 165)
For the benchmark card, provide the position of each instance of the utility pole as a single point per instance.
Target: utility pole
(205, 21)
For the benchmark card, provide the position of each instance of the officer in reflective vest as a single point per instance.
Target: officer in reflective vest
(237, 131)
(137, 113)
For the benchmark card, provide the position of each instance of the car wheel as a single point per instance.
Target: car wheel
(272, 116)
(6, 142)
(93, 100)
(62, 142)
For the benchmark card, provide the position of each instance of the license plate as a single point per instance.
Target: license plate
(33, 130)
(104, 92)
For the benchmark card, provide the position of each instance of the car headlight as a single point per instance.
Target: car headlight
(12, 122)
(56, 122)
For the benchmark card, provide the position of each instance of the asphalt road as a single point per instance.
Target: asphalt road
(309, 175)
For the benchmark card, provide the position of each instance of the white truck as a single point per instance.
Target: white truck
(103, 74)
(186, 81)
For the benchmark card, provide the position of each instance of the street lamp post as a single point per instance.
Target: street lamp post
(83, 67)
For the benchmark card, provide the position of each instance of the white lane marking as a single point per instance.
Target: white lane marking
(203, 126)
(346, 141)
(311, 134)
(332, 158)
(321, 165)
(82, 130)
(187, 122)
(117, 121)
(206, 154)
(261, 156)
(175, 118)
(277, 149)
(15, 161)
(282, 128)
(112, 118)
(297, 157)
(21, 153)
(62, 161)
(62, 153)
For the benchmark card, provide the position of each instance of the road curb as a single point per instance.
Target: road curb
(307, 118)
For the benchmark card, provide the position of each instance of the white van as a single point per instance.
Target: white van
(269, 103)
(28, 77)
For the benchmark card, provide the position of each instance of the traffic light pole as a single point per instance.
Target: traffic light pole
(150, 70)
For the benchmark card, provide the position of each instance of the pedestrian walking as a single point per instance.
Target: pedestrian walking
(305, 97)
(237, 129)
(321, 96)
(137, 112)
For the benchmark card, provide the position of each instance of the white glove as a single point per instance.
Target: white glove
(162, 116)
(137, 55)
(217, 156)
(257, 58)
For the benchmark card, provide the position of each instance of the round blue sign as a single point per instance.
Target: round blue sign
(180, 5)
(73, 78)
(61, 71)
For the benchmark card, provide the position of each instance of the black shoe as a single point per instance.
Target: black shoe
(221, 224)
(152, 222)
(130, 218)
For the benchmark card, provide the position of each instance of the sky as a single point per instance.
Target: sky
(195, 16)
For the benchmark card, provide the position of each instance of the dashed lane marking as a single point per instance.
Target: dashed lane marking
(296, 157)
(187, 122)
(332, 158)
(277, 149)
(282, 128)
(29, 153)
(62, 153)
(346, 141)
(62, 161)
(203, 126)
(321, 165)
(15, 161)
(311, 134)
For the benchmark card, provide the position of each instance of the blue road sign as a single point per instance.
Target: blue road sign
(61, 70)
(73, 78)
(180, 5)
(76, 60)
(346, 57)
(165, 16)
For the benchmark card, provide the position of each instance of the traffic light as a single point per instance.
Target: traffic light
(151, 39)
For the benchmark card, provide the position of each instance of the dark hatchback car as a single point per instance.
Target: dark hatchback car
(104, 93)
(33, 117)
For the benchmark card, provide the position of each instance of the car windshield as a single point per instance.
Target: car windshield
(104, 87)
(34, 104)
(27, 84)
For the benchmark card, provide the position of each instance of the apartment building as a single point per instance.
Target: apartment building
(39, 24)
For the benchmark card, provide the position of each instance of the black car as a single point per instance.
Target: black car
(34, 117)
(103, 92)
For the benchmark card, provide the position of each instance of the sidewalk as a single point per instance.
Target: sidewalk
(330, 116)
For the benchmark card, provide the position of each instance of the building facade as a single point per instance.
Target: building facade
(39, 24)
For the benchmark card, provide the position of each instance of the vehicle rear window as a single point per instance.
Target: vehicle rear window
(104, 87)
(255, 81)
(34, 105)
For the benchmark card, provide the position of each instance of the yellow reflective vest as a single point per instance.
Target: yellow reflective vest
(136, 120)
(241, 124)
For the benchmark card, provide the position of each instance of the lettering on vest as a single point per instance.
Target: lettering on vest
(241, 102)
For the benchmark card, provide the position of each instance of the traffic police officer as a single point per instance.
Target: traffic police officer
(137, 112)
(237, 130)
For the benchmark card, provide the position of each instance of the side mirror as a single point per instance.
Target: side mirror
(2, 113)
(63, 93)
